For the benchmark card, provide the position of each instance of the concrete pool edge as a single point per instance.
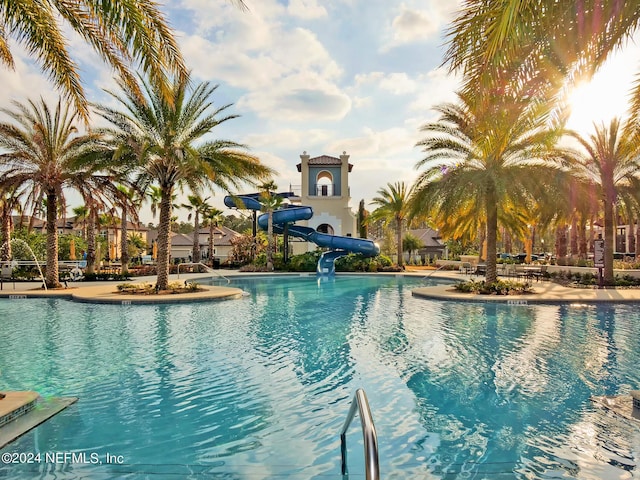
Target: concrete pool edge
(44, 409)
(544, 292)
(109, 294)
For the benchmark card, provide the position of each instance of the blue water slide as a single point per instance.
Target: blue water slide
(339, 246)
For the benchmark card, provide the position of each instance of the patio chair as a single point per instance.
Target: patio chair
(466, 268)
(481, 270)
(541, 274)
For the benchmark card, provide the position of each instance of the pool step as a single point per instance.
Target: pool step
(15, 404)
(22, 411)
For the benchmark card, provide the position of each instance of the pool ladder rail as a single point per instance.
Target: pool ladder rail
(360, 402)
(207, 268)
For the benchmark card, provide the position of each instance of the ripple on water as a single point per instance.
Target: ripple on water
(457, 390)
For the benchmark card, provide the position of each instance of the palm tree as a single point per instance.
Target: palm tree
(127, 35)
(211, 218)
(158, 137)
(484, 160)
(44, 152)
(393, 206)
(547, 44)
(10, 200)
(611, 167)
(198, 206)
(81, 214)
(128, 199)
(269, 202)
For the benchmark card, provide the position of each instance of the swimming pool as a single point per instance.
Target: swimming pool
(258, 388)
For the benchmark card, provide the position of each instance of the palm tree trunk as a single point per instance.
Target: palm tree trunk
(162, 281)
(582, 239)
(492, 234)
(5, 248)
(124, 243)
(631, 239)
(270, 241)
(91, 240)
(51, 278)
(196, 238)
(561, 243)
(507, 242)
(211, 230)
(574, 237)
(399, 239)
(609, 237)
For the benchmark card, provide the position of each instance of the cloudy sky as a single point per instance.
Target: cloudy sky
(321, 76)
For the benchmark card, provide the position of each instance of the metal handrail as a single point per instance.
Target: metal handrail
(207, 267)
(372, 470)
(434, 271)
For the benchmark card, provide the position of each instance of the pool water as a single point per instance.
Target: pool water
(258, 388)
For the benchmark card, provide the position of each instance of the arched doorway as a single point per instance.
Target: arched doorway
(325, 228)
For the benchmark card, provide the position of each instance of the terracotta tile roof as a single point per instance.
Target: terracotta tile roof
(325, 160)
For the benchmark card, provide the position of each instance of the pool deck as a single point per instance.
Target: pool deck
(105, 292)
(543, 292)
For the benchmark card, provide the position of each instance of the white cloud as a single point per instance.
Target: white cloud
(24, 83)
(362, 79)
(398, 84)
(295, 139)
(362, 102)
(306, 9)
(298, 98)
(412, 25)
(372, 144)
(292, 52)
(437, 87)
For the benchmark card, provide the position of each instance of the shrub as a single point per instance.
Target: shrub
(356, 262)
(305, 262)
(500, 287)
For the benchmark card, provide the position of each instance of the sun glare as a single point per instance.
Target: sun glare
(604, 97)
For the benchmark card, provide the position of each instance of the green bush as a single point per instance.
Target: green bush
(305, 262)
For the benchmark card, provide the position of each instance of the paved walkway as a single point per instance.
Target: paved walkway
(543, 292)
(106, 292)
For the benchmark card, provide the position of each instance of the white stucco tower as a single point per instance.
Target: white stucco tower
(325, 188)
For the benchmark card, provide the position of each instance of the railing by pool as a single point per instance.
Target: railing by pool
(360, 402)
(207, 268)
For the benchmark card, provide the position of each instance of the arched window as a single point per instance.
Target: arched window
(324, 184)
(325, 228)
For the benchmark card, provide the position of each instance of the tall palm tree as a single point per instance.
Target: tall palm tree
(393, 206)
(129, 200)
(211, 218)
(44, 152)
(483, 160)
(10, 200)
(197, 206)
(611, 165)
(269, 202)
(159, 138)
(81, 214)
